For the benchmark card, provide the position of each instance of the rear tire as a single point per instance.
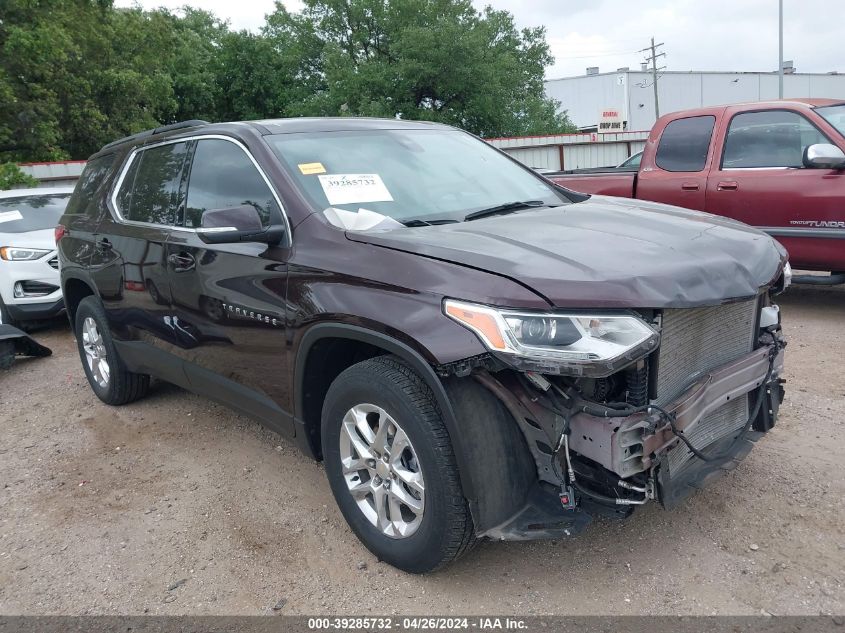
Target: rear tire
(106, 372)
(434, 527)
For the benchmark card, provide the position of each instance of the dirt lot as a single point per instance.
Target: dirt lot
(174, 505)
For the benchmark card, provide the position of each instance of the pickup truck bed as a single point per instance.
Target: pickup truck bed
(606, 183)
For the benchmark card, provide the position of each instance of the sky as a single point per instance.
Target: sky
(735, 35)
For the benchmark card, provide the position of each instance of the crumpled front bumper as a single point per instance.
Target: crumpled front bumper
(637, 443)
(628, 461)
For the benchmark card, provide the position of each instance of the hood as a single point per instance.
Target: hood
(605, 252)
(42, 238)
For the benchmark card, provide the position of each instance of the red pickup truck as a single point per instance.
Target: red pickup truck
(779, 166)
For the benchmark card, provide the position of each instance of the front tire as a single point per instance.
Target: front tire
(391, 467)
(105, 370)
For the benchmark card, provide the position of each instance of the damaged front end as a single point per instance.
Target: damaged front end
(680, 399)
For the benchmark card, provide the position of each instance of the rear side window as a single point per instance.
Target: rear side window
(684, 144)
(774, 138)
(83, 200)
(124, 194)
(222, 177)
(149, 192)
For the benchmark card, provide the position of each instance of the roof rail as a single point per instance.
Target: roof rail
(158, 130)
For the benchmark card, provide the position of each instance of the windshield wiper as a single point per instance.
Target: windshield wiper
(421, 222)
(507, 207)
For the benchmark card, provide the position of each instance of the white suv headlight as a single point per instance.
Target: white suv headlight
(15, 254)
(594, 345)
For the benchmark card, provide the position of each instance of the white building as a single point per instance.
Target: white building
(632, 92)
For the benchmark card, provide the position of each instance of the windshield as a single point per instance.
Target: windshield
(406, 174)
(835, 115)
(31, 213)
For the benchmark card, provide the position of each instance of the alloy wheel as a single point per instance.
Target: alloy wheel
(95, 352)
(381, 470)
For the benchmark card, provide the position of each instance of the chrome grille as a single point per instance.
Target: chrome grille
(53, 263)
(696, 340)
(724, 421)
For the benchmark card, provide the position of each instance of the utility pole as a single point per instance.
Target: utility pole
(780, 49)
(654, 70)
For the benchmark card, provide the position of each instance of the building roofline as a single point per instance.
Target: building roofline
(772, 73)
(52, 162)
(632, 133)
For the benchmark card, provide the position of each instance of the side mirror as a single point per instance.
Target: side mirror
(824, 156)
(237, 224)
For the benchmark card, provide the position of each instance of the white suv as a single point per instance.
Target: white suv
(29, 268)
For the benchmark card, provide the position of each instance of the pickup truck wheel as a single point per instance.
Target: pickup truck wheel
(391, 466)
(106, 372)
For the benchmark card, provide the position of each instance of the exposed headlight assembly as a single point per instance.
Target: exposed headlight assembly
(595, 345)
(14, 254)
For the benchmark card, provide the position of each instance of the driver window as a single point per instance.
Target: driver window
(774, 138)
(222, 177)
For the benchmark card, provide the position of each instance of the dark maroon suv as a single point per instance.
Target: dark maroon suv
(472, 350)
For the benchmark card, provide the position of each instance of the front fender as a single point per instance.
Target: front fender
(415, 360)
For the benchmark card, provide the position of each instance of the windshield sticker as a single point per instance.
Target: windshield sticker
(311, 168)
(10, 216)
(363, 220)
(354, 188)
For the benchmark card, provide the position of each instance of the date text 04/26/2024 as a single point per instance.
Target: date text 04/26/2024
(481, 623)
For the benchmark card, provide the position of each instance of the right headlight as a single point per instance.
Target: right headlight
(594, 345)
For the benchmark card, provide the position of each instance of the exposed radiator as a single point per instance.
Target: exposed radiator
(724, 421)
(696, 340)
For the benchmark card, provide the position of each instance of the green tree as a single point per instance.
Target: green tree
(159, 69)
(45, 91)
(76, 74)
(250, 76)
(199, 37)
(11, 176)
(423, 59)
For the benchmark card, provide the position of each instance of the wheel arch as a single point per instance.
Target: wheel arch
(75, 287)
(373, 343)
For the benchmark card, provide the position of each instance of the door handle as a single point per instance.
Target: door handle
(727, 185)
(689, 186)
(103, 245)
(181, 262)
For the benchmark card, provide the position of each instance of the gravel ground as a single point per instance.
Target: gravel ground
(177, 506)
